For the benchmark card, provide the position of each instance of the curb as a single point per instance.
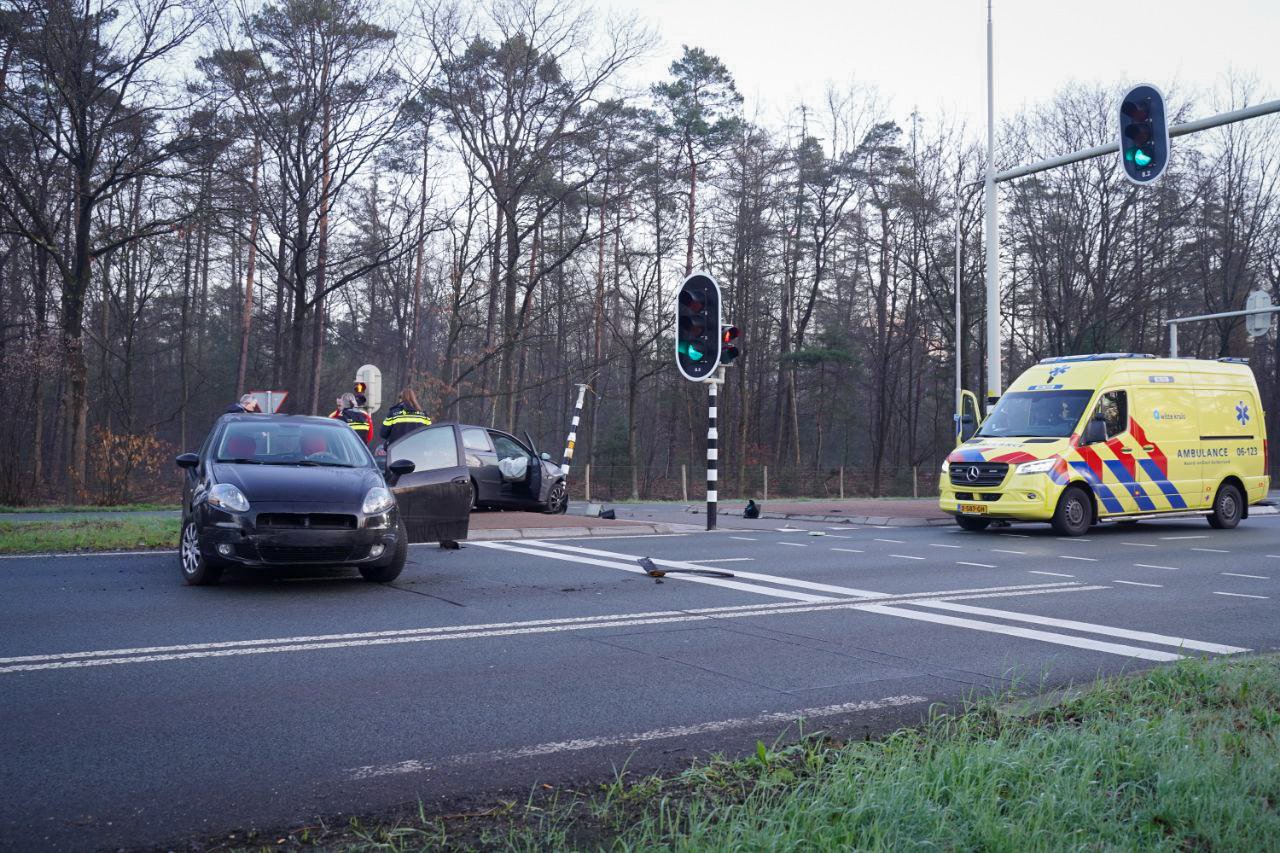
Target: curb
(878, 520)
(638, 528)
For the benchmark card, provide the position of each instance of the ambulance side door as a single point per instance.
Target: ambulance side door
(1229, 431)
(1165, 424)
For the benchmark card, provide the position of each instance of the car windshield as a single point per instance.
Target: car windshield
(1036, 414)
(291, 443)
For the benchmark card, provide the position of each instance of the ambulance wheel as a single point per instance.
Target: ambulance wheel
(1228, 507)
(1074, 513)
(968, 522)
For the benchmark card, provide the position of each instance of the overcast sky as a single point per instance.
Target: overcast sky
(932, 53)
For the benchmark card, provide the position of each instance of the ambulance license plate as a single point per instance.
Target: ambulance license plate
(973, 509)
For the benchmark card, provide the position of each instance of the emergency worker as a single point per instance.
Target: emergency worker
(404, 417)
(354, 418)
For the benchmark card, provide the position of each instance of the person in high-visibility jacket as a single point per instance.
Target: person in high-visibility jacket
(356, 419)
(404, 417)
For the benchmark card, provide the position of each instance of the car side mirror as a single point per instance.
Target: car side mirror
(1095, 431)
(546, 457)
(187, 460)
(401, 467)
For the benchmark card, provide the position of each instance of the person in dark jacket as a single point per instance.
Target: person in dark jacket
(247, 403)
(356, 419)
(404, 417)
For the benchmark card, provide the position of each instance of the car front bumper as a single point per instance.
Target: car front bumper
(247, 539)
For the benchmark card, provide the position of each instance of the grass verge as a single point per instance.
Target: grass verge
(1179, 758)
(88, 534)
(142, 507)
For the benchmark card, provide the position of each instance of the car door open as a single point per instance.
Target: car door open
(435, 499)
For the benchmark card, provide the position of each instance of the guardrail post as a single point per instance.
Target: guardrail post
(684, 483)
(588, 482)
(915, 482)
(841, 482)
(766, 484)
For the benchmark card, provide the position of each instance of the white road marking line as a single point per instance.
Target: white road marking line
(1140, 544)
(1241, 595)
(906, 557)
(724, 560)
(1087, 627)
(1212, 550)
(845, 527)
(1016, 535)
(1082, 559)
(574, 551)
(1025, 633)
(1006, 551)
(535, 548)
(1149, 566)
(743, 538)
(1072, 539)
(1238, 575)
(849, 550)
(1136, 583)
(1050, 574)
(978, 565)
(795, 544)
(894, 541)
(233, 648)
(789, 529)
(503, 756)
(838, 536)
(941, 545)
(1171, 538)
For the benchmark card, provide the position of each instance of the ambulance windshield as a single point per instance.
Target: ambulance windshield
(1036, 414)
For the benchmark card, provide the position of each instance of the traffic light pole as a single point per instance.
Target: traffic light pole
(713, 452)
(567, 459)
(1173, 324)
(993, 236)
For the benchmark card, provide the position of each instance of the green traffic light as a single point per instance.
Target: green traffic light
(1141, 157)
(690, 351)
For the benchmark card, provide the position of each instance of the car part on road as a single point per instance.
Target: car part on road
(652, 570)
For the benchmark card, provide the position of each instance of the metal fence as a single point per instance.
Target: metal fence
(761, 482)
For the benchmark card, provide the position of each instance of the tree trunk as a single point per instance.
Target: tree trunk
(322, 254)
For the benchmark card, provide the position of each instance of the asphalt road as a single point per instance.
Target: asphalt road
(140, 711)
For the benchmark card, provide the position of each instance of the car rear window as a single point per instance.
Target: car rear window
(292, 443)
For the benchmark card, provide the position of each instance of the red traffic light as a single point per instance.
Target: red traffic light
(729, 334)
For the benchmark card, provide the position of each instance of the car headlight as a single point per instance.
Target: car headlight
(1040, 466)
(378, 500)
(228, 497)
(946, 466)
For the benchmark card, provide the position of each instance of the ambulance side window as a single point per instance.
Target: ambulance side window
(1113, 407)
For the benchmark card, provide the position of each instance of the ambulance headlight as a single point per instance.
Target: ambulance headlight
(946, 466)
(1040, 466)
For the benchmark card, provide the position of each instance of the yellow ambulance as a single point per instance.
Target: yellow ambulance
(1114, 437)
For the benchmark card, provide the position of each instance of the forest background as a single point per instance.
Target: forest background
(201, 199)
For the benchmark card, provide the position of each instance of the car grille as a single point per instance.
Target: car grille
(310, 554)
(982, 496)
(313, 520)
(978, 473)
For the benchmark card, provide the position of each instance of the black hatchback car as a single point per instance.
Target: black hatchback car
(285, 490)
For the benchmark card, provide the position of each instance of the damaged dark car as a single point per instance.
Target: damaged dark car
(270, 491)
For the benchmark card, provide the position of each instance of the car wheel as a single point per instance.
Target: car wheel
(196, 569)
(1228, 507)
(1074, 514)
(391, 571)
(558, 499)
(968, 522)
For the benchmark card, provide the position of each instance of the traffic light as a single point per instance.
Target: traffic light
(1144, 135)
(361, 388)
(698, 327)
(729, 335)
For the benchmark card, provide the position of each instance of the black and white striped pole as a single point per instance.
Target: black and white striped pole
(713, 451)
(573, 433)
